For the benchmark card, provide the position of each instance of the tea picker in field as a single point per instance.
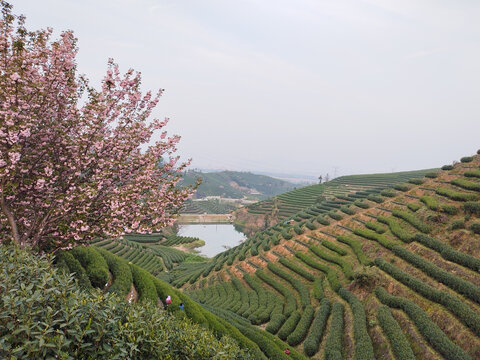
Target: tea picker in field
(181, 306)
(168, 301)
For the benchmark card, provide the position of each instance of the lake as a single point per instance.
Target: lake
(216, 237)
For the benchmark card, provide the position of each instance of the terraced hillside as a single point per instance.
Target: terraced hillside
(395, 275)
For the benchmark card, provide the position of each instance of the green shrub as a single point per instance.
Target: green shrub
(431, 175)
(466, 184)
(447, 167)
(452, 303)
(334, 341)
(448, 253)
(347, 210)
(475, 227)
(317, 290)
(289, 325)
(312, 342)
(275, 323)
(361, 204)
(455, 195)
(412, 220)
(94, 264)
(393, 332)
(449, 209)
(144, 284)
(472, 207)
(298, 230)
(335, 216)
(388, 193)
(286, 234)
(472, 173)
(298, 269)
(430, 331)
(430, 201)
(297, 285)
(321, 220)
(334, 247)
(291, 303)
(466, 159)
(122, 276)
(363, 343)
(401, 187)
(478, 151)
(331, 274)
(93, 325)
(416, 181)
(457, 224)
(344, 264)
(396, 229)
(375, 227)
(372, 235)
(375, 198)
(73, 266)
(300, 332)
(414, 206)
(356, 247)
(310, 225)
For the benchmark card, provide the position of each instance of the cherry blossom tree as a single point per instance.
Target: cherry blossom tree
(75, 162)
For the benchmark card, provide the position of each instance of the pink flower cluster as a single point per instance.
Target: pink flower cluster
(71, 164)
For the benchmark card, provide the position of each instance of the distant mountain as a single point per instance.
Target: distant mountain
(236, 185)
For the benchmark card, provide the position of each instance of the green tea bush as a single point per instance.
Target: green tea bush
(310, 225)
(291, 303)
(361, 204)
(414, 206)
(457, 224)
(375, 198)
(388, 193)
(334, 341)
(66, 261)
(431, 175)
(356, 246)
(455, 195)
(286, 234)
(122, 276)
(401, 187)
(300, 332)
(430, 331)
(68, 322)
(321, 220)
(297, 285)
(398, 342)
(466, 159)
(334, 247)
(335, 216)
(95, 265)
(430, 201)
(347, 210)
(472, 173)
(344, 264)
(298, 230)
(317, 290)
(447, 167)
(449, 253)
(375, 227)
(312, 342)
(466, 184)
(475, 227)
(452, 303)
(412, 220)
(396, 229)
(331, 274)
(449, 209)
(144, 284)
(372, 235)
(416, 181)
(289, 325)
(298, 269)
(275, 323)
(363, 343)
(472, 207)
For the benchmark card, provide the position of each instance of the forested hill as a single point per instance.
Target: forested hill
(236, 185)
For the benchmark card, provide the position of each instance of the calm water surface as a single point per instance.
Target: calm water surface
(216, 237)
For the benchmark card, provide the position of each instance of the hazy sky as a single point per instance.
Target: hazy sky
(300, 86)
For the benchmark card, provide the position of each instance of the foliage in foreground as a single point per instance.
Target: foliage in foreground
(45, 314)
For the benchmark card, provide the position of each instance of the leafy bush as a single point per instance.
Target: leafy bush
(286, 234)
(298, 229)
(401, 187)
(122, 276)
(310, 225)
(457, 224)
(317, 290)
(416, 181)
(447, 167)
(472, 207)
(361, 204)
(393, 332)
(430, 201)
(475, 227)
(466, 159)
(356, 247)
(335, 216)
(331, 274)
(71, 323)
(297, 285)
(347, 210)
(289, 325)
(334, 247)
(412, 220)
(66, 261)
(472, 173)
(452, 303)
(144, 284)
(275, 323)
(449, 209)
(455, 195)
(372, 235)
(431, 175)
(414, 206)
(321, 220)
(363, 343)
(300, 332)
(334, 341)
(375, 198)
(298, 269)
(312, 342)
(430, 331)
(387, 193)
(291, 303)
(344, 264)
(375, 227)
(94, 264)
(466, 184)
(396, 229)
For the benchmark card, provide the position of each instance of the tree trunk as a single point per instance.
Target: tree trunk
(11, 220)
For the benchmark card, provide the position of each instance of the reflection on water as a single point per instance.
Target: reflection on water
(217, 237)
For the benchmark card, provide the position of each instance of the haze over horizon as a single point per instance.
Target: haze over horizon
(303, 87)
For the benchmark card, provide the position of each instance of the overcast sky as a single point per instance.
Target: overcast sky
(300, 86)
